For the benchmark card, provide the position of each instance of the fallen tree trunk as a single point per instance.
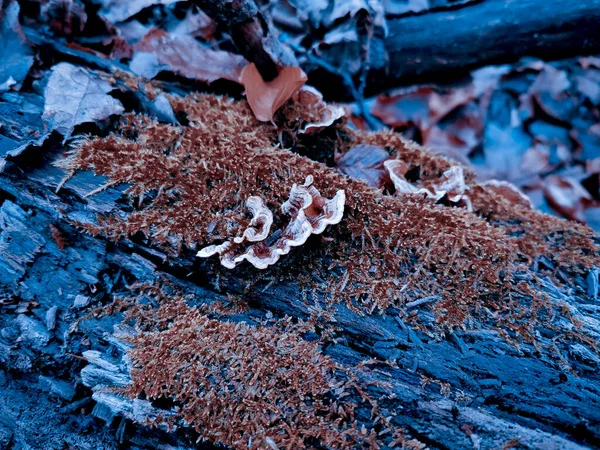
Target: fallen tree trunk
(61, 364)
(482, 390)
(439, 44)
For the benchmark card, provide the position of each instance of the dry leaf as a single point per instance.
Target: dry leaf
(509, 191)
(590, 61)
(267, 97)
(567, 196)
(365, 162)
(120, 10)
(74, 96)
(318, 114)
(593, 165)
(185, 56)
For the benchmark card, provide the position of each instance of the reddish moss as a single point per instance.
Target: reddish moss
(58, 237)
(241, 385)
(190, 184)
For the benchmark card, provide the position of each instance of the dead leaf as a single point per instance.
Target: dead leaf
(423, 106)
(509, 191)
(16, 57)
(593, 165)
(589, 85)
(550, 84)
(551, 80)
(74, 96)
(196, 24)
(402, 107)
(267, 97)
(590, 61)
(450, 144)
(185, 56)
(535, 161)
(119, 10)
(316, 113)
(567, 196)
(365, 162)
(145, 64)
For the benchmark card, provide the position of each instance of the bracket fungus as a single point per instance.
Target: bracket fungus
(452, 184)
(309, 213)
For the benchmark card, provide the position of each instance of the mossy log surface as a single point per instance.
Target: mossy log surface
(51, 274)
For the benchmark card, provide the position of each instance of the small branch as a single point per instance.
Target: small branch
(357, 93)
(422, 301)
(251, 33)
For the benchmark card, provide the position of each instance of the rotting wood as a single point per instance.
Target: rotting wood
(509, 392)
(476, 34)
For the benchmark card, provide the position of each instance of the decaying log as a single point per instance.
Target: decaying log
(437, 44)
(500, 393)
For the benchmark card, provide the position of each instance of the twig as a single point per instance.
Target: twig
(422, 301)
(357, 93)
(251, 33)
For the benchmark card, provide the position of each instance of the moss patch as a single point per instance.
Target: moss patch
(189, 185)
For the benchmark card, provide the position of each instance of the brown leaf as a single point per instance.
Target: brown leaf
(458, 137)
(74, 96)
(449, 144)
(365, 162)
(567, 196)
(185, 56)
(267, 97)
(509, 191)
(423, 106)
(402, 107)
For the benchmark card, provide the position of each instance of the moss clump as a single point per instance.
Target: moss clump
(242, 385)
(189, 185)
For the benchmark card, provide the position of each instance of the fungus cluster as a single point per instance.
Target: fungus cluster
(309, 213)
(452, 184)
